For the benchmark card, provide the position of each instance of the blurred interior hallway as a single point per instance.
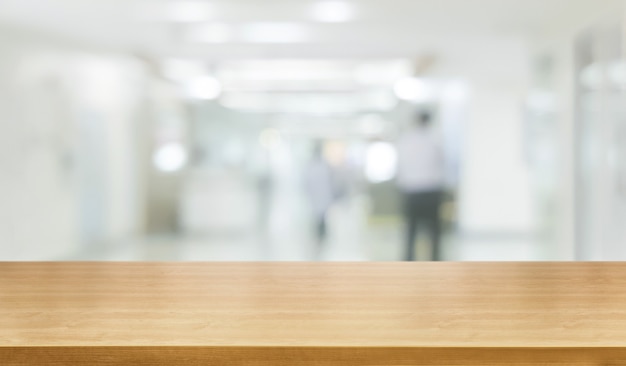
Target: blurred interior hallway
(183, 130)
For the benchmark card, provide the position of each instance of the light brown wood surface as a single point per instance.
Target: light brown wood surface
(313, 313)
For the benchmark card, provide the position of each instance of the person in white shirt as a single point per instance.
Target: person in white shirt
(323, 188)
(420, 179)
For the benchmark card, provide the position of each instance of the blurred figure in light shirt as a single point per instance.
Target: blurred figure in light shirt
(324, 188)
(420, 178)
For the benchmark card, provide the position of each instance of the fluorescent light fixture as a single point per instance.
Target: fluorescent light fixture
(380, 162)
(209, 33)
(189, 11)
(181, 70)
(286, 75)
(382, 73)
(413, 89)
(203, 88)
(332, 11)
(313, 104)
(248, 33)
(274, 33)
(170, 157)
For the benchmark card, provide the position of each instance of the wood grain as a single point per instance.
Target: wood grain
(313, 313)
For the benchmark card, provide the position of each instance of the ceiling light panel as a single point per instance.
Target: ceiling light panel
(185, 11)
(210, 33)
(332, 11)
(275, 32)
(259, 32)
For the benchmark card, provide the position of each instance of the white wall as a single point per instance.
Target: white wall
(55, 185)
(107, 91)
(558, 44)
(37, 200)
(495, 195)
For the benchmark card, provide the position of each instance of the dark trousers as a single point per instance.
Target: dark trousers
(321, 230)
(422, 209)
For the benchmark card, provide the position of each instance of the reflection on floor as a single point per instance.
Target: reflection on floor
(287, 235)
(233, 248)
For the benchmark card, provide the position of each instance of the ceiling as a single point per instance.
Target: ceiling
(342, 59)
(375, 28)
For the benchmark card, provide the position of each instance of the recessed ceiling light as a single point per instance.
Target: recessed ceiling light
(275, 33)
(183, 11)
(203, 88)
(380, 162)
(170, 158)
(413, 89)
(209, 33)
(332, 11)
(189, 11)
(265, 32)
(181, 70)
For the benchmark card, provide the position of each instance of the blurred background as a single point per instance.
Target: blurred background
(208, 130)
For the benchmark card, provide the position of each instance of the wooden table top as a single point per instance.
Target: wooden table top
(377, 305)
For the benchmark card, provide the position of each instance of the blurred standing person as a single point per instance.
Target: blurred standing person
(420, 178)
(322, 189)
(265, 190)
